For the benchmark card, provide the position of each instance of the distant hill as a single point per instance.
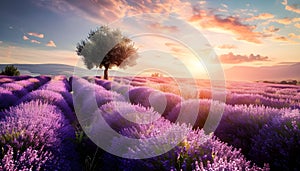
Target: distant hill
(241, 73)
(277, 72)
(58, 69)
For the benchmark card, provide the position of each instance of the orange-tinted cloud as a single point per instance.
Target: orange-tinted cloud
(232, 24)
(284, 2)
(100, 11)
(271, 29)
(231, 58)
(25, 38)
(293, 8)
(159, 26)
(294, 36)
(38, 35)
(297, 25)
(284, 21)
(177, 50)
(202, 2)
(170, 44)
(51, 44)
(281, 38)
(174, 47)
(35, 41)
(262, 16)
(227, 46)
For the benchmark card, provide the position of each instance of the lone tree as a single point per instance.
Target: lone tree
(10, 70)
(105, 47)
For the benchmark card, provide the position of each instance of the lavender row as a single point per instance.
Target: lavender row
(281, 98)
(36, 136)
(11, 92)
(196, 151)
(161, 102)
(239, 124)
(9, 79)
(88, 97)
(263, 134)
(55, 92)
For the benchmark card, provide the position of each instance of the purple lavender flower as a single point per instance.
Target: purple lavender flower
(137, 84)
(241, 123)
(26, 84)
(16, 89)
(163, 103)
(278, 142)
(50, 97)
(5, 80)
(30, 159)
(80, 94)
(38, 126)
(140, 95)
(57, 84)
(197, 150)
(122, 114)
(78, 83)
(193, 111)
(123, 89)
(86, 105)
(7, 98)
(139, 79)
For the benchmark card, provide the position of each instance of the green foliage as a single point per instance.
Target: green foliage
(10, 70)
(105, 47)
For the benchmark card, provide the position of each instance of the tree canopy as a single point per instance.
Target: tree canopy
(105, 47)
(10, 70)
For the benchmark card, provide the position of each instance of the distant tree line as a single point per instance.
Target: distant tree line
(292, 82)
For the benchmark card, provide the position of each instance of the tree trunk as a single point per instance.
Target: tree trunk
(106, 73)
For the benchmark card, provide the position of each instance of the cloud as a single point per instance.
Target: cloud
(232, 24)
(51, 44)
(25, 38)
(1, 41)
(285, 21)
(284, 2)
(170, 44)
(222, 10)
(295, 19)
(224, 5)
(176, 48)
(227, 46)
(99, 11)
(231, 58)
(281, 38)
(297, 25)
(35, 41)
(202, 2)
(262, 16)
(271, 29)
(38, 35)
(159, 26)
(30, 55)
(294, 8)
(294, 36)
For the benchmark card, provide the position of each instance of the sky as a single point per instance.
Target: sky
(178, 36)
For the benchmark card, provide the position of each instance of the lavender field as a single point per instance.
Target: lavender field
(42, 121)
